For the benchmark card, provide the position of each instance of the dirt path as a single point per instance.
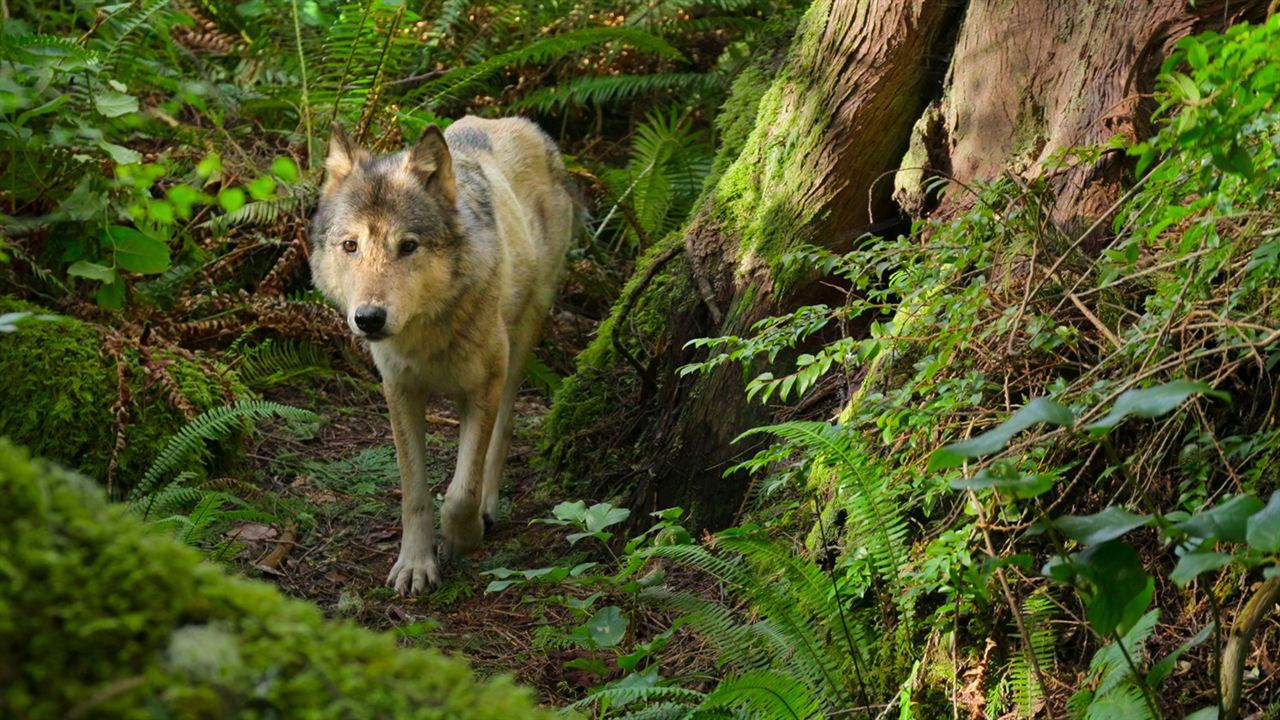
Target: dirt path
(340, 489)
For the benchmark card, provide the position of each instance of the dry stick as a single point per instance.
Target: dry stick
(1106, 332)
(1242, 631)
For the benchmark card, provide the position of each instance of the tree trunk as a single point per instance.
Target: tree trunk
(859, 95)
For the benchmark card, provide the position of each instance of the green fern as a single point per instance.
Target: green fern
(289, 202)
(662, 181)
(460, 80)
(766, 694)
(875, 517)
(278, 362)
(1024, 686)
(189, 444)
(608, 89)
(803, 654)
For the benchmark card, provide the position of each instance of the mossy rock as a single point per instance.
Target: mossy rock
(60, 386)
(101, 617)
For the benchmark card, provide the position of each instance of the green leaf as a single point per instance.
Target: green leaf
(120, 154)
(1235, 160)
(602, 515)
(1100, 527)
(1192, 565)
(1015, 484)
(1164, 668)
(231, 199)
(1039, 410)
(1121, 590)
(1185, 86)
(499, 585)
(262, 188)
(111, 296)
(1209, 713)
(114, 104)
(285, 169)
(1227, 521)
(1263, 528)
(1152, 402)
(1197, 55)
(136, 251)
(92, 271)
(573, 511)
(607, 627)
(595, 666)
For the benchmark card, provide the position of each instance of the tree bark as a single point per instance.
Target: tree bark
(860, 95)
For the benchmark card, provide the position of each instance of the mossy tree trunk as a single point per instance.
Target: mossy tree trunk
(867, 88)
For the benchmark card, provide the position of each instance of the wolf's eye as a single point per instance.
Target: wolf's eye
(349, 246)
(408, 246)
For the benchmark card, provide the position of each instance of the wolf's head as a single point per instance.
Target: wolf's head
(385, 240)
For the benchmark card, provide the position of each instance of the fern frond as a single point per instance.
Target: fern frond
(608, 89)
(278, 362)
(624, 695)
(764, 693)
(453, 83)
(795, 636)
(214, 424)
(138, 15)
(876, 520)
(264, 212)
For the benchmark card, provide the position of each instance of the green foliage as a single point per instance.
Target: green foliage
(91, 600)
(174, 501)
(60, 389)
(661, 182)
(1093, 398)
(597, 626)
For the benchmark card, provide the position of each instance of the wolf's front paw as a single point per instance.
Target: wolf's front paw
(462, 531)
(414, 572)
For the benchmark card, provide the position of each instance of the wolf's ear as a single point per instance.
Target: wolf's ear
(342, 158)
(429, 161)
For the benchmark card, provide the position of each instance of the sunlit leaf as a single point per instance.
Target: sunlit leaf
(1039, 410)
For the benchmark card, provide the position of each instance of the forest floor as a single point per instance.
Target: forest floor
(336, 493)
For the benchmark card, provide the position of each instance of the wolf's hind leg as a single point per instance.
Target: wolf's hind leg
(523, 337)
(460, 521)
(416, 568)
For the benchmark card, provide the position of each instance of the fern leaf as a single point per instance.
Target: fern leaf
(214, 424)
(459, 80)
(764, 693)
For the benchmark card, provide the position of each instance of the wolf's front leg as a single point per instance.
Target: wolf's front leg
(416, 569)
(460, 520)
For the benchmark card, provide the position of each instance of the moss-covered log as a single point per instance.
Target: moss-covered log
(101, 618)
(62, 386)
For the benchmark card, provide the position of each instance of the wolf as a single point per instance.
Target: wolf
(446, 257)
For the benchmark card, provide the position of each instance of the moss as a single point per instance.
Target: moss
(101, 617)
(596, 391)
(60, 387)
(760, 198)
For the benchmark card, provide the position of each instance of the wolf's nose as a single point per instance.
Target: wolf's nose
(371, 318)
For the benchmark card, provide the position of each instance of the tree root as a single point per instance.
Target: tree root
(1242, 632)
